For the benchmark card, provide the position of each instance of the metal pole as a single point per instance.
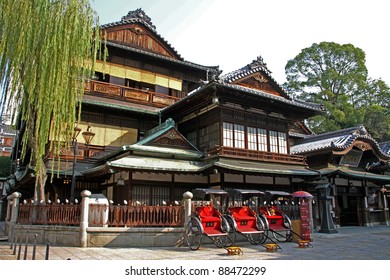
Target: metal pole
(26, 245)
(16, 234)
(47, 251)
(34, 247)
(20, 246)
(12, 237)
(72, 187)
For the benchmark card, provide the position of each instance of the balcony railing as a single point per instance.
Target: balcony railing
(130, 94)
(256, 155)
(84, 152)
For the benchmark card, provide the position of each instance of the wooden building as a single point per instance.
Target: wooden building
(349, 159)
(162, 126)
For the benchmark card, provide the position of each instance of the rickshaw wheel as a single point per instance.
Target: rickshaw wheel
(194, 234)
(224, 240)
(281, 236)
(256, 238)
(221, 241)
(265, 221)
(232, 231)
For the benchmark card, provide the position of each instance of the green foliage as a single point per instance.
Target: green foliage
(47, 51)
(336, 76)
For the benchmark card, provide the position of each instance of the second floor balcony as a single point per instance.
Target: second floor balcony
(263, 156)
(129, 94)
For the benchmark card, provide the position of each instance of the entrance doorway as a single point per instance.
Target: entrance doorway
(349, 210)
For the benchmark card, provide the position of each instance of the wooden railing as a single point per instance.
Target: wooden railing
(256, 155)
(102, 215)
(49, 214)
(83, 152)
(136, 216)
(130, 94)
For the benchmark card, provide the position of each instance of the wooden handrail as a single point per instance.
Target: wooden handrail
(130, 94)
(256, 155)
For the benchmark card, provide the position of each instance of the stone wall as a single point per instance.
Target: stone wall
(134, 237)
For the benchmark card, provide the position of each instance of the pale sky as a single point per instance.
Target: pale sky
(232, 33)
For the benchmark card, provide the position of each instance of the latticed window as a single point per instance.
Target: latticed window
(278, 142)
(239, 136)
(282, 141)
(263, 140)
(228, 134)
(273, 141)
(150, 195)
(252, 138)
(209, 136)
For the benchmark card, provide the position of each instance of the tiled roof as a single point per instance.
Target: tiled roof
(139, 16)
(255, 92)
(385, 146)
(339, 140)
(255, 66)
(118, 104)
(181, 62)
(294, 102)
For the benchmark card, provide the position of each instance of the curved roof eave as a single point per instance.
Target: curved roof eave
(159, 56)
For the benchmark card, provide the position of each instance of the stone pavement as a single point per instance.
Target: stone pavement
(350, 243)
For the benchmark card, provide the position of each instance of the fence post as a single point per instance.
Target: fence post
(12, 211)
(84, 217)
(187, 196)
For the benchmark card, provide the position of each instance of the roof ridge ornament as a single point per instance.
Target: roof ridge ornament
(139, 14)
(259, 62)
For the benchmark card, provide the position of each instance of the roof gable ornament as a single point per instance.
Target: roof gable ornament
(259, 62)
(361, 130)
(139, 14)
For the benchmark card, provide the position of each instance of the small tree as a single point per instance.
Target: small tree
(47, 51)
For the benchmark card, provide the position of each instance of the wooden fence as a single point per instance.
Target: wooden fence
(102, 215)
(49, 214)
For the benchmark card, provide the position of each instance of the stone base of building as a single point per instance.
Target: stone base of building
(135, 237)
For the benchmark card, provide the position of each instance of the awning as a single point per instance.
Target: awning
(202, 192)
(126, 72)
(243, 192)
(277, 193)
(355, 174)
(158, 164)
(265, 168)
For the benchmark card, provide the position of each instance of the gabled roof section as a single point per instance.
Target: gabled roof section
(385, 146)
(340, 140)
(137, 30)
(166, 135)
(219, 87)
(166, 140)
(255, 75)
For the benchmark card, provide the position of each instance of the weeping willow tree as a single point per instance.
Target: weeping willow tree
(47, 51)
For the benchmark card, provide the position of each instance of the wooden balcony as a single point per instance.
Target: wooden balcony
(130, 94)
(84, 152)
(256, 155)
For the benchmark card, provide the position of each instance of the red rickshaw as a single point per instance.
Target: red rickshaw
(243, 217)
(207, 220)
(279, 224)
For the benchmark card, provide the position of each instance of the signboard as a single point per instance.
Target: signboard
(352, 158)
(305, 219)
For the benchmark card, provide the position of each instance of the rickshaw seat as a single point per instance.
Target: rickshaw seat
(208, 214)
(242, 213)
